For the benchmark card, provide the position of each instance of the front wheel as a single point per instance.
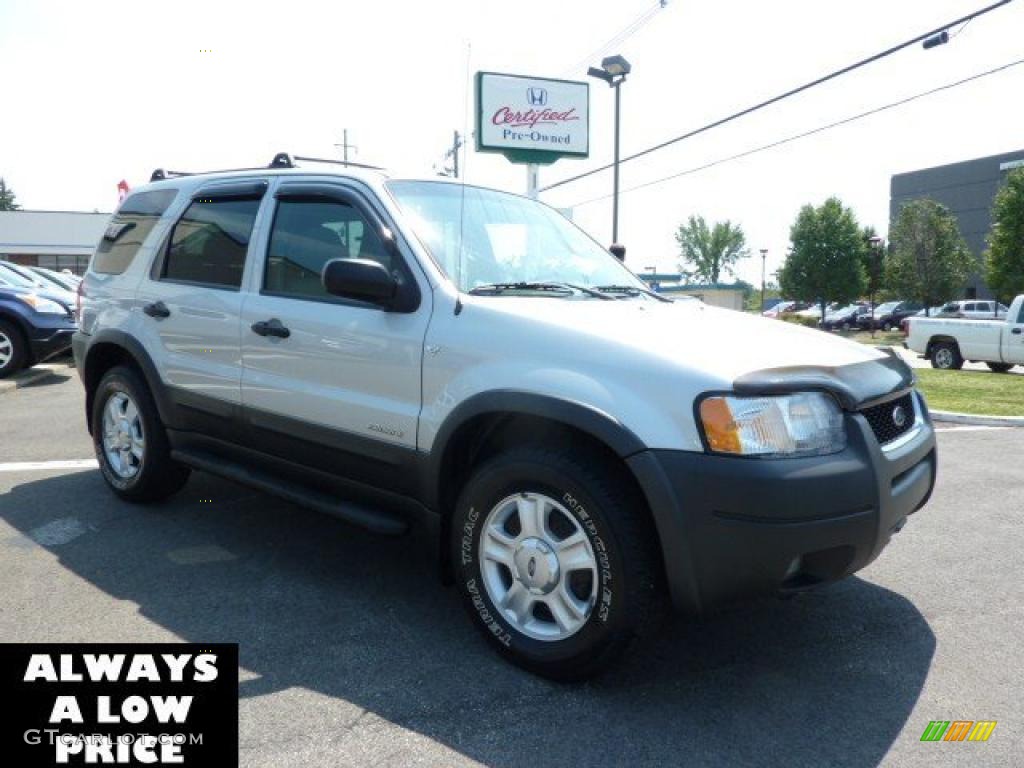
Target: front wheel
(557, 561)
(13, 350)
(999, 367)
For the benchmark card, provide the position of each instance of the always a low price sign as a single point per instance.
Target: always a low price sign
(119, 704)
(532, 119)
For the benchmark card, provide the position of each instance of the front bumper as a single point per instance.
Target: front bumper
(740, 527)
(46, 341)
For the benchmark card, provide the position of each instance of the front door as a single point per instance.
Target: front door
(1013, 334)
(332, 380)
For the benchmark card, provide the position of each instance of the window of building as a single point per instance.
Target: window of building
(209, 242)
(306, 235)
(127, 230)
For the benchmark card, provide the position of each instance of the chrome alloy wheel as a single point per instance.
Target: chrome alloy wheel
(943, 358)
(538, 566)
(123, 440)
(6, 349)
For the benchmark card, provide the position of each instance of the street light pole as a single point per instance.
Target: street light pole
(613, 71)
(615, 193)
(876, 259)
(764, 257)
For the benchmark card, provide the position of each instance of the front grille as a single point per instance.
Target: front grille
(883, 418)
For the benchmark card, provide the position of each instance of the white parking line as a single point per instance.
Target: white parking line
(28, 466)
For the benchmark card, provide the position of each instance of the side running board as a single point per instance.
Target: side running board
(374, 520)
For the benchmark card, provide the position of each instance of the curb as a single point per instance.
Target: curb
(977, 419)
(33, 375)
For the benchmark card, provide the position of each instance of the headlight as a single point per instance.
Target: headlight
(43, 306)
(803, 424)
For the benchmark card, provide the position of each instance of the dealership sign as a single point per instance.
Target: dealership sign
(532, 119)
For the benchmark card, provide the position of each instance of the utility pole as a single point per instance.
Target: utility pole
(345, 146)
(453, 155)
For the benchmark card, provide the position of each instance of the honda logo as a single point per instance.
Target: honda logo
(536, 97)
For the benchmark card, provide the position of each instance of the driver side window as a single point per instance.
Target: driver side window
(306, 234)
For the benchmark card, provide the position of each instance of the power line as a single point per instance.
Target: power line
(786, 95)
(620, 37)
(805, 134)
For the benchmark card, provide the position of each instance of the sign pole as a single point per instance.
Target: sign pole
(532, 173)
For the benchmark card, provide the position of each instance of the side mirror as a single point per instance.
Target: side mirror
(360, 279)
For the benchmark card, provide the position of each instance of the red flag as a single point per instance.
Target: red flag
(122, 190)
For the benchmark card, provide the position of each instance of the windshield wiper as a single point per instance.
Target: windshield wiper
(493, 289)
(631, 290)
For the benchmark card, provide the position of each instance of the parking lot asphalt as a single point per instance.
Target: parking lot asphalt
(352, 653)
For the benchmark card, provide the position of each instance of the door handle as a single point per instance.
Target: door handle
(272, 327)
(1015, 331)
(157, 309)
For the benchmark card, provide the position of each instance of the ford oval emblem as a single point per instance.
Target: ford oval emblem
(899, 417)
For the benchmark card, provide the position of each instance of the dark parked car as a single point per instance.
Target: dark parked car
(889, 315)
(846, 318)
(34, 325)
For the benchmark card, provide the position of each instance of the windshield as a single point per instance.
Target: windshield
(504, 238)
(887, 307)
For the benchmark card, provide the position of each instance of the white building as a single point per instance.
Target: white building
(52, 239)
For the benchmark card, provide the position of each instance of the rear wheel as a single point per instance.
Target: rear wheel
(999, 367)
(556, 560)
(886, 326)
(12, 349)
(130, 441)
(946, 356)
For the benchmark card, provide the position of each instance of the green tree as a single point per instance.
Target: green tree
(7, 201)
(929, 261)
(705, 252)
(826, 260)
(1004, 259)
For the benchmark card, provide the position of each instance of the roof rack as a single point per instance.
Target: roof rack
(281, 160)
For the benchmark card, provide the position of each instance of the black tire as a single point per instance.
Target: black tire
(886, 326)
(845, 327)
(13, 348)
(157, 475)
(999, 367)
(945, 356)
(626, 597)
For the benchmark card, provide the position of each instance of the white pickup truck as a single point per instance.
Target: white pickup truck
(948, 342)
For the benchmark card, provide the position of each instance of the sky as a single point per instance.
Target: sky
(102, 91)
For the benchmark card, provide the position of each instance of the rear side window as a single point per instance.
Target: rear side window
(129, 228)
(309, 233)
(209, 242)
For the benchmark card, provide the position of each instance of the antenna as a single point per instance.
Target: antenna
(462, 181)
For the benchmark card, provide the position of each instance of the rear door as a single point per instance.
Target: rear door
(341, 385)
(192, 297)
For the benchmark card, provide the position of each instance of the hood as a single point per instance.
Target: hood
(736, 349)
(64, 298)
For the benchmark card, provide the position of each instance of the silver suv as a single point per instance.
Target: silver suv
(401, 352)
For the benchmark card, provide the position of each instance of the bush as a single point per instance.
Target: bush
(809, 322)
